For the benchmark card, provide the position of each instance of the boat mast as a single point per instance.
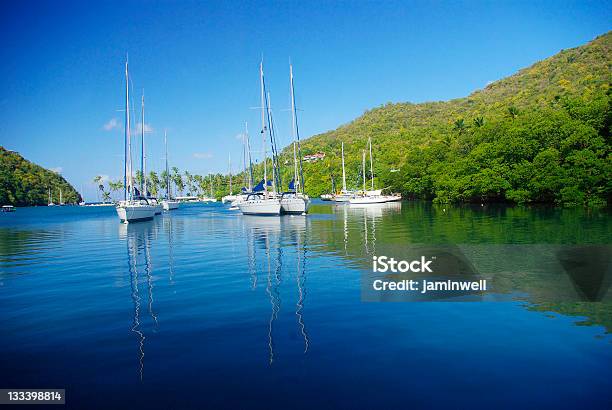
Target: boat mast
(143, 153)
(248, 150)
(363, 168)
(211, 184)
(371, 163)
(343, 171)
(295, 167)
(127, 133)
(273, 152)
(263, 125)
(230, 173)
(296, 136)
(167, 171)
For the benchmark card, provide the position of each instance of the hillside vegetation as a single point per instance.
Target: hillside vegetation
(541, 135)
(23, 183)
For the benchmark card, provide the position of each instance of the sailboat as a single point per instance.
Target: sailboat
(372, 196)
(143, 166)
(260, 201)
(344, 194)
(168, 203)
(230, 197)
(131, 208)
(295, 201)
(50, 199)
(246, 157)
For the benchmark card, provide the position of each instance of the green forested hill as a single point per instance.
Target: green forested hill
(541, 135)
(23, 183)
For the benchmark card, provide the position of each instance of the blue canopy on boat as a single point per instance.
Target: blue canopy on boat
(244, 189)
(292, 185)
(259, 187)
(269, 182)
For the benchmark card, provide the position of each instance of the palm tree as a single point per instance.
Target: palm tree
(177, 179)
(154, 183)
(97, 181)
(165, 181)
(115, 186)
(479, 121)
(460, 126)
(105, 195)
(513, 111)
(189, 180)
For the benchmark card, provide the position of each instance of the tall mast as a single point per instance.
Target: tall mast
(371, 163)
(211, 184)
(248, 150)
(127, 133)
(273, 152)
(343, 171)
(263, 124)
(143, 152)
(167, 171)
(293, 120)
(363, 167)
(296, 136)
(230, 173)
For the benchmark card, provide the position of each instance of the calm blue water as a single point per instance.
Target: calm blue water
(205, 308)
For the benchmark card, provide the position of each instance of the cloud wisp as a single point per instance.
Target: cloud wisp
(202, 155)
(112, 124)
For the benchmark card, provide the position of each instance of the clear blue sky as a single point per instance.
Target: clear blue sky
(61, 68)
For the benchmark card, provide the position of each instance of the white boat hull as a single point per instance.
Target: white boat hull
(367, 200)
(170, 205)
(135, 212)
(229, 198)
(260, 207)
(294, 205)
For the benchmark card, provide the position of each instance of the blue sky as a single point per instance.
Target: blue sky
(63, 63)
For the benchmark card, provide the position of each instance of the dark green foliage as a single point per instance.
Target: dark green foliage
(539, 136)
(23, 183)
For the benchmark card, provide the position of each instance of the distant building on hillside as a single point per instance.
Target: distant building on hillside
(314, 157)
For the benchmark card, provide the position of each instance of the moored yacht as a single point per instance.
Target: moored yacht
(168, 203)
(258, 203)
(295, 201)
(131, 209)
(261, 201)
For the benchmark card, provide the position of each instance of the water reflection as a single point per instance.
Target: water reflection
(282, 241)
(138, 237)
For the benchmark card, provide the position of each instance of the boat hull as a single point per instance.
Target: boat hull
(135, 213)
(170, 205)
(368, 200)
(294, 205)
(264, 207)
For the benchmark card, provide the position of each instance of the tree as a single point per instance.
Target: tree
(460, 126)
(154, 184)
(115, 186)
(97, 181)
(513, 112)
(178, 180)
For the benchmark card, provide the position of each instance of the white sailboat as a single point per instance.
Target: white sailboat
(50, 199)
(230, 197)
(168, 203)
(143, 165)
(344, 194)
(246, 156)
(295, 201)
(131, 209)
(260, 201)
(372, 196)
